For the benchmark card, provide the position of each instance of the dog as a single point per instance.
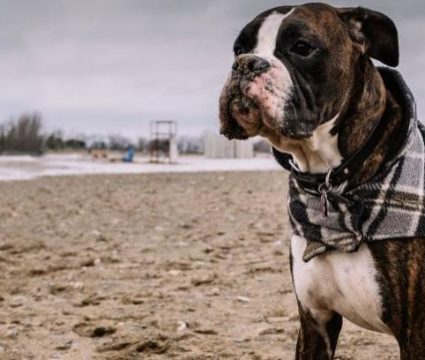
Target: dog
(303, 78)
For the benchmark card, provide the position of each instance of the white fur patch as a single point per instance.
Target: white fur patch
(317, 154)
(323, 142)
(267, 35)
(338, 282)
(321, 152)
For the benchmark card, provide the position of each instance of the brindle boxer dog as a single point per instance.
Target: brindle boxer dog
(303, 79)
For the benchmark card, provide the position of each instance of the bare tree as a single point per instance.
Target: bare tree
(22, 135)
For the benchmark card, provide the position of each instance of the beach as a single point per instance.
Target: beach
(153, 266)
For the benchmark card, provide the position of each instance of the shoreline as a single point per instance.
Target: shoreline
(27, 168)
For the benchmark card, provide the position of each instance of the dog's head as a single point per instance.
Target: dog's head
(295, 67)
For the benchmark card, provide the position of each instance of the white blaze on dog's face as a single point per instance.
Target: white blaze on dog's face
(271, 88)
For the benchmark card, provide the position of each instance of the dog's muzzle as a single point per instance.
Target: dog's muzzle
(253, 96)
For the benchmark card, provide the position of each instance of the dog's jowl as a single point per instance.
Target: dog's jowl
(347, 131)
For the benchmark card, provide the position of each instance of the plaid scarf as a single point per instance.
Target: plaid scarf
(391, 205)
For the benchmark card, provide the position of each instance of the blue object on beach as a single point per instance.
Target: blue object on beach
(129, 156)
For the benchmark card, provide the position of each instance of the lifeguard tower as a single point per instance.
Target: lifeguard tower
(163, 141)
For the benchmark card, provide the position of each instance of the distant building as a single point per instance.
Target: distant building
(190, 144)
(217, 146)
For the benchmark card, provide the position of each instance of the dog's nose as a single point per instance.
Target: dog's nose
(258, 64)
(250, 63)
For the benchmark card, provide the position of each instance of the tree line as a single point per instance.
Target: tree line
(26, 134)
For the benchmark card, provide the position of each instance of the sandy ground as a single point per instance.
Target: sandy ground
(181, 266)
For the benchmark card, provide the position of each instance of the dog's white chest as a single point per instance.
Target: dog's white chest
(338, 282)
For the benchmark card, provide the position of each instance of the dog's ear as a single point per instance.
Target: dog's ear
(375, 32)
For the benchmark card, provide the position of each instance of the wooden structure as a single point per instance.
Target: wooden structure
(163, 141)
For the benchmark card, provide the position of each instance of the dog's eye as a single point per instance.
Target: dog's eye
(301, 48)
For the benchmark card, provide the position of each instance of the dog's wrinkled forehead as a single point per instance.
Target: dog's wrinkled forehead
(263, 34)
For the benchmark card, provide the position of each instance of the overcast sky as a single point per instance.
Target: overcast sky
(111, 66)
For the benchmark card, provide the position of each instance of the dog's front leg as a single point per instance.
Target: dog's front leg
(317, 339)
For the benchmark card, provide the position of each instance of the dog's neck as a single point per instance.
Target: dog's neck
(368, 102)
(371, 102)
(317, 154)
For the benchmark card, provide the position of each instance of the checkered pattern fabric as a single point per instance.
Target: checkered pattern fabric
(389, 206)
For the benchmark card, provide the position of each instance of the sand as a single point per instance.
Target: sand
(165, 266)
